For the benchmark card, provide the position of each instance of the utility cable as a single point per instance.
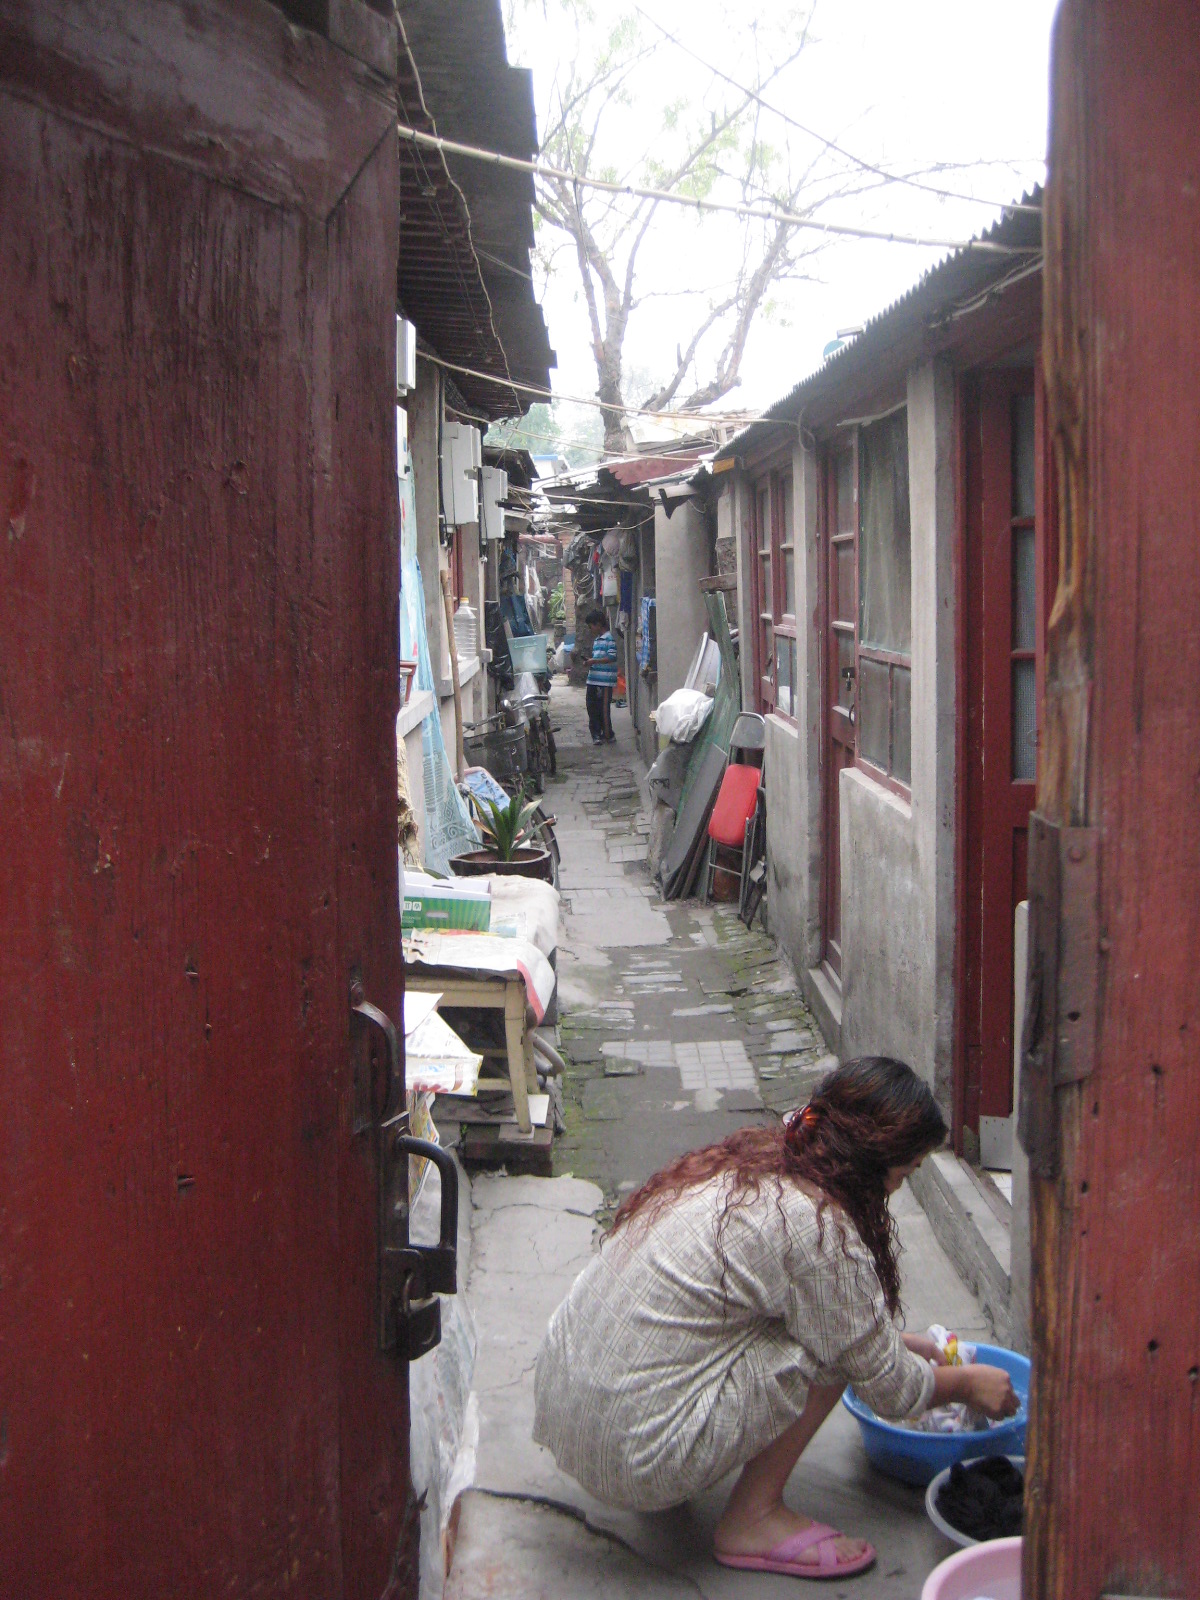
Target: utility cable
(760, 213)
(829, 144)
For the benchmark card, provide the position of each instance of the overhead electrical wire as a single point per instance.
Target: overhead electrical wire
(590, 400)
(761, 213)
(829, 144)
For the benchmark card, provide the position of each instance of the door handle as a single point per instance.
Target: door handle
(410, 1276)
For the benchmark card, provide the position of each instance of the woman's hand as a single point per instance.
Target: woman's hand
(922, 1345)
(990, 1390)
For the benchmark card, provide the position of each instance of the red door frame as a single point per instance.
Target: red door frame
(985, 808)
(830, 766)
(764, 674)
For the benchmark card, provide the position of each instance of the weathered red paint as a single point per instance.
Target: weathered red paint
(996, 811)
(1114, 1433)
(837, 741)
(197, 801)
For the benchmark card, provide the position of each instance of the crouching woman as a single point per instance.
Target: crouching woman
(739, 1292)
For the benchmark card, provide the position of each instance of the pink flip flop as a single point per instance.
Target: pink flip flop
(785, 1557)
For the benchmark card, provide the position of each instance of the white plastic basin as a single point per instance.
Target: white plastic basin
(991, 1570)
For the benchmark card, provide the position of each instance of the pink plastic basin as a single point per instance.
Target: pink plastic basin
(992, 1570)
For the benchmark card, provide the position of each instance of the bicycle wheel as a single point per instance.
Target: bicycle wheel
(543, 828)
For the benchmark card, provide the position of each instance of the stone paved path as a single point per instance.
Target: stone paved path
(678, 1025)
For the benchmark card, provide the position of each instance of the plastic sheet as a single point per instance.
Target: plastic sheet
(449, 830)
(710, 751)
(681, 715)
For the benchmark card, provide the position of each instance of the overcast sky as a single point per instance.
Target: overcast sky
(900, 84)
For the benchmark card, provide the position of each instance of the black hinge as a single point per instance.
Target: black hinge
(1058, 1042)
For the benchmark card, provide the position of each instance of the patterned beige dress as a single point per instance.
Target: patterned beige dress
(656, 1377)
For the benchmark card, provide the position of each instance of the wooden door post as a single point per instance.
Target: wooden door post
(1112, 1118)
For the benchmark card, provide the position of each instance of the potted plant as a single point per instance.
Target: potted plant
(505, 830)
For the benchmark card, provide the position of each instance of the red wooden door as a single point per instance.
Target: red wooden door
(1001, 617)
(197, 799)
(1113, 1487)
(840, 604)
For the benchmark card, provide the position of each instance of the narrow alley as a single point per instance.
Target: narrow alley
(678, 1025)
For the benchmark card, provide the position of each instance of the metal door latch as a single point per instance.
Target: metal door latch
(410, 1276)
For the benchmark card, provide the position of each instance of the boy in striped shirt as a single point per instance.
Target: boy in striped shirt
(601, 678)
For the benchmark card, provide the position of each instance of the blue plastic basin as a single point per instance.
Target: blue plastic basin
(917, 1457)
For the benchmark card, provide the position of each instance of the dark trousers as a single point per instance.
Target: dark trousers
(599, 710)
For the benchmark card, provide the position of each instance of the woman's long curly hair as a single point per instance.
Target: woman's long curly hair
(865, 1118)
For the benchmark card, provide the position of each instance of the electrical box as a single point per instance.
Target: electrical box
(495, 489)
(462, 459)
(406, 356)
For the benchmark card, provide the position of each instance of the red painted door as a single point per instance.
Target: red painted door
(841, 614)
(197, 801)
(1001, 614)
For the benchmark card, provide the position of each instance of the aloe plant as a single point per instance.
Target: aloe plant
(506, 827)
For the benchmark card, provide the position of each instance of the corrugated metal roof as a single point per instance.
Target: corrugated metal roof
(945, 291)
(463, 274)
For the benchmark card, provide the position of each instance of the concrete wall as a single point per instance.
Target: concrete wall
(931, 493)
(897, 857)
(647, 684)
(681, 559)
(793, 774)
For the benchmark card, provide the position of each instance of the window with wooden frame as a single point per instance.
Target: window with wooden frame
(775, 593)
(884, 644)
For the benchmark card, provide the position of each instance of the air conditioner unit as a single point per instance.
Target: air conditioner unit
(462, 458)
(406, 356)
(495, 489)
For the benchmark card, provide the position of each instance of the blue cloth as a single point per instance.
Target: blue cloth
(602, 674)
(644, 647)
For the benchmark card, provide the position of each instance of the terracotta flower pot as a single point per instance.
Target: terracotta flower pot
(529, 861)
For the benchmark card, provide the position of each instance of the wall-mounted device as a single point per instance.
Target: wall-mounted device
(495, 490)
(462, 459)
(406, 357)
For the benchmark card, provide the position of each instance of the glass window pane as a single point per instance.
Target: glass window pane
(1024, 722)
(1024, 603)
(764, 518)
(884, 544)
(902, 724)
(845, 677)
(789, 582)
(785, 674)
(845, 600)
(766, 595)
(846, 506)
(785, 490)
(873, 712)
(768, 647)
(1023, 498)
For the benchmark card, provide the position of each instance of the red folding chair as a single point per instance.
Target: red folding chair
(737, 799)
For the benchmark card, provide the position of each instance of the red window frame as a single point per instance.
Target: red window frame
(772, 500)
(889, 659)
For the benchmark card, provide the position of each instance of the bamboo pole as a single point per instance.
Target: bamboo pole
(459, 758)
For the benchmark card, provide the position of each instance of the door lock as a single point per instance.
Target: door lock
(410, 1276)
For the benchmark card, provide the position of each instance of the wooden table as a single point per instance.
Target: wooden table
(492, 992)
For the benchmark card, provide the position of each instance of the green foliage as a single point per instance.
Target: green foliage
(558, 604)
(506, 827)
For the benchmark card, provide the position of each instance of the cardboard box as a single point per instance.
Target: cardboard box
(444, 903)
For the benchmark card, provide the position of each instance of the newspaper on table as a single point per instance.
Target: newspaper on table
(487, 955)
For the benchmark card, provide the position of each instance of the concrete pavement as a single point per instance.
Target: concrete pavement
(678, 1026)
